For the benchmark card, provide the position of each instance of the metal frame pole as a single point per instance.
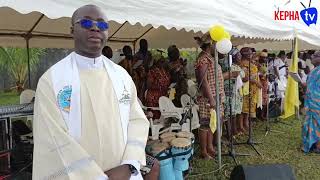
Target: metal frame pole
(217, 105)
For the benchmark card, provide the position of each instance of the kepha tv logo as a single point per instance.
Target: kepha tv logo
(308, 15)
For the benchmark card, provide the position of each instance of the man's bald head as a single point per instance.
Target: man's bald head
(75, 15)
(88, 41)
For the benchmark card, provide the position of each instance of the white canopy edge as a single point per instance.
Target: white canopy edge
(167, 22)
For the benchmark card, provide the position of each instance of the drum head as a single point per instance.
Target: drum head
(185, 134)
(158, 148)
(168, 139)
(167, 134)
(181, 143)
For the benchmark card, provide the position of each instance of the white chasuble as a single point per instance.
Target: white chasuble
(87, 121)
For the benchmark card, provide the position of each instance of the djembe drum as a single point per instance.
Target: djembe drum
(181, 152)
(161, 151)
(188, 135)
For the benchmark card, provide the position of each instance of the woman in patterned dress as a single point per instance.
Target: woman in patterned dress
(158, 82)
(249, 100)
(204, 68)
(233, 96)
(311, 127)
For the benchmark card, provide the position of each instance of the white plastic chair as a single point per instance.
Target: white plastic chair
(26, 96)
(168, 110)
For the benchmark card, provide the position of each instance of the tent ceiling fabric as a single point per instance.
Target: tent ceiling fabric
(172, 22)
(53, 33)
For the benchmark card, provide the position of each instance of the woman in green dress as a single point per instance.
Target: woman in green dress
(233, 98)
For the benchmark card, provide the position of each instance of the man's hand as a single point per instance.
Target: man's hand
(119, 173)
(212, 103)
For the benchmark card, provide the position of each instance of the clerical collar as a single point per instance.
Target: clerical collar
(89, 63)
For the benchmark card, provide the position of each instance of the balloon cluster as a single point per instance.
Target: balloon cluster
(222, 38)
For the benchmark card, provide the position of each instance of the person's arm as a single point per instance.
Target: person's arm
(233, 75)
(138, 129)
(134, 154)
(201, 73)
(276, 69)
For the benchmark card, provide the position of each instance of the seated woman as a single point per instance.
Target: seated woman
(158, 82)
(311, 127)
(177, 73)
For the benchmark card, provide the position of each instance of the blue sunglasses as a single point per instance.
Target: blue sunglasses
(88, 24)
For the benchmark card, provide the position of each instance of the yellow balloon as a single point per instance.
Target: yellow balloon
(217, 32)
(227, 35)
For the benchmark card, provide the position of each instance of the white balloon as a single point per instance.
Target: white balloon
(224, 46)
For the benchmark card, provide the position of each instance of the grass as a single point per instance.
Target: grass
(275, 148)
(9, 98)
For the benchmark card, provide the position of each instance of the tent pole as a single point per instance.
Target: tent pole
(297, 108)
(143, 34)
(28, 54)
(117, 30)
(27, 37)
(134, 46)
(217, 105)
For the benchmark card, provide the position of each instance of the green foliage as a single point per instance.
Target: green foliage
(191, 56)
(15, 60)
(157, 55)
(9, 98)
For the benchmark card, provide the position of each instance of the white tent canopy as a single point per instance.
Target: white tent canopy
(162, 23)
(56, 32)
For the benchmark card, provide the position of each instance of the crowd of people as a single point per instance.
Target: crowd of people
(250, 83)
(152, 76)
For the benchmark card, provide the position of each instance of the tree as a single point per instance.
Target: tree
(15, 60)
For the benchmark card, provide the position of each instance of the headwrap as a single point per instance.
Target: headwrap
(315, 58)
(263, 54)
(246, 51)
(204, 39)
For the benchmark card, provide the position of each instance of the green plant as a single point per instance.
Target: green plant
(15, 60)
(191, 56)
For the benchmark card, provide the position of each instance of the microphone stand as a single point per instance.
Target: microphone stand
(231, 152)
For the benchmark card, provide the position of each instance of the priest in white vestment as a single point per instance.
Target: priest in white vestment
(88, 124)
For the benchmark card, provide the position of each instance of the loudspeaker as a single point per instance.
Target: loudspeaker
(263, 172)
